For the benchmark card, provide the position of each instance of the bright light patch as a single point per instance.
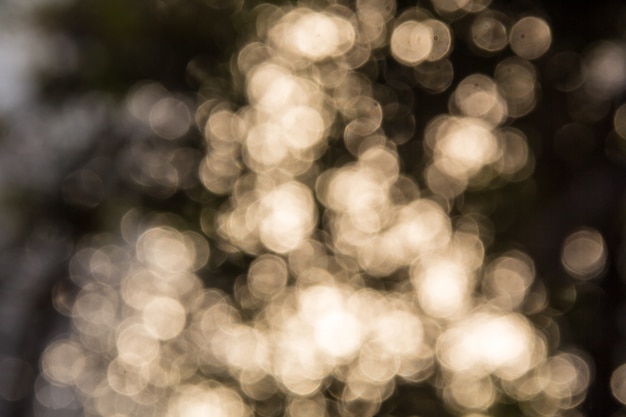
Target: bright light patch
(316, 35)
(289, 217)
(207, 400)
(338, 333)
(165, 248)
(411, 42)
(488, 343)
(584, 254)
(464, 146)
(164, 317)
(443, 288)
(618, 383)
(531, 37)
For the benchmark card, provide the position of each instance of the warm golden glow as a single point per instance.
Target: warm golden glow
(288, 217)
(463, 146)
(444, 288)
(489, 342)
(604, 68)
(322, 284)
(530, 37)
(478, 96)
(412, 42)
(508, 279)
(516, 79)
(489, 32)
(312, 35)
(584, 254)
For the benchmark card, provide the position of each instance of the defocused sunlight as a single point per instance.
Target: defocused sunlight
(584, 254)
(349, 276)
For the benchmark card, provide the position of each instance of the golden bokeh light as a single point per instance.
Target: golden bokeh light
(489, 32)
(618, 383)
(170, 118)
(490, 342)
(464, 146)
(458, 8)
(619, 121)
(435, 77)
(584, 254)
(442, 39)
(517, 82)
(530, 37)
(444, 288)
(324, 284)
(412, 42)
(477, 96)
(508, 278)
(604, 67)
(312, 35)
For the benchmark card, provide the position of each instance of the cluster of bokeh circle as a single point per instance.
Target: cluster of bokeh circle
(305, 332)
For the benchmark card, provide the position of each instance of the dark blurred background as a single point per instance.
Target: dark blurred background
(76, 153)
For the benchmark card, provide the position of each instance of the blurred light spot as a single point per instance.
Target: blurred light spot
(307, 407)
(136, 343)
(56, 397)
(62, 362)
(489, 32)
(97, 306)
(371, 34)
(508, 278)
(450, 6)
(477, 96)
(142, 97)
(207, 400)
(398, 332)
(435, 77)
(584, 254)
(127, 378)
(443, 288)
(618, 383)
(275, 89)
(412, 42)
(604, 67)
(516, 160)
(470, 392)
(419, 228)
(164, 317)
(464, 145)
(367, 116)
(488, 343)
(442, 39)
(315, 36)
(267, 276)
(530, 37)
(386, 8)
(338, 333)
(166, 249)
(170, 118)
(302, 126)
(517, 82)
(569, 376)
(288, 217)
(619, 121)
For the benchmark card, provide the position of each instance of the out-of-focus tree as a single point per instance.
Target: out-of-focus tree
(317, 208)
